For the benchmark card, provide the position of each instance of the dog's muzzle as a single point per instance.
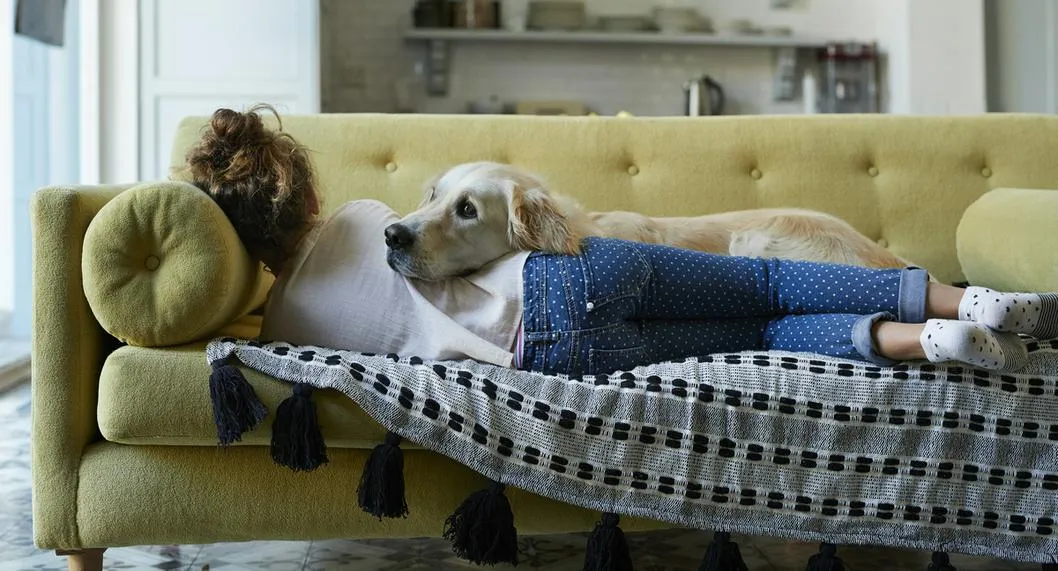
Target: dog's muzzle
(399, 237)
(400, 240)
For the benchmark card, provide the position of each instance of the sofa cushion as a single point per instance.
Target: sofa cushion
(163, 266)
(1004, 240)
(160, 396)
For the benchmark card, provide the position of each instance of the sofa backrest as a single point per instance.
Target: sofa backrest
(903, 181)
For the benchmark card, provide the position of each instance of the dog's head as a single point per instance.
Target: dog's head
(473, 214)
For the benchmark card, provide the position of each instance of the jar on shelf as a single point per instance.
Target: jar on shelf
(848, 78)
(477, 14)
(432, 14)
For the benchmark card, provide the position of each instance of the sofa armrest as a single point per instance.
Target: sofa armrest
(1005, 240)
(68, 348)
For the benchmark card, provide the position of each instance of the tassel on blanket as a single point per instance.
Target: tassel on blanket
(381, 489)
(826, 559)
(297, 442)
(723, 555)
(607, 547)
(482, 528)
(236, 408)
(940, 562)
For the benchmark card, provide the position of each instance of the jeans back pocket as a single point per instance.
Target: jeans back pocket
(613, 269)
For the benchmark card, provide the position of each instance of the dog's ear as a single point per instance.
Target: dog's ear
(428, 190)
(536, 222)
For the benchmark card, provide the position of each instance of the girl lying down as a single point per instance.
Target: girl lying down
(614, 306)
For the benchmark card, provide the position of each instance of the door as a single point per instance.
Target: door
(198, 55)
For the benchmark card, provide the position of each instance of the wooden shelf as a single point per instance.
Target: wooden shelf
(596, 37)
(438, 40)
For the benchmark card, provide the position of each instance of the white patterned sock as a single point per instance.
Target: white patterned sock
(973, 344)
(1033, 314)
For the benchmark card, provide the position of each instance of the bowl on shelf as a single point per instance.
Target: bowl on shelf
(745, 28)
(556, 15)
(625, 23)
(679, 20)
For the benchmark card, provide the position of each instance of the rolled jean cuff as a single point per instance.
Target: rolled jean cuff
(863, 341)
(912, 301)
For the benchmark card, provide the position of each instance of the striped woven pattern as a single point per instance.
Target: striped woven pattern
(930, 457)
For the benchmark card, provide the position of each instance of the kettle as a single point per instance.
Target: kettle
(703, 96)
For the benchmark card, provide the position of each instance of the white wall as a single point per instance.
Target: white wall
(1022, 43)
(118, 72)
(363, 54)
(944, 73)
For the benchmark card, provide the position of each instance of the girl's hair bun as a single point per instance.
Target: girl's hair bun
(262, 178)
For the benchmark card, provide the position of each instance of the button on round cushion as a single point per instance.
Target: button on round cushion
(163, 266)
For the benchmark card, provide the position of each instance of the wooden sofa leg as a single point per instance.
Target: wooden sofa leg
(83, 559)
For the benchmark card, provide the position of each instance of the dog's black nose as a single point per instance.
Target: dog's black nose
(398, 236)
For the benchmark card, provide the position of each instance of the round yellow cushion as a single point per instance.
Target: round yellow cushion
(163, 266)
(1005, 240)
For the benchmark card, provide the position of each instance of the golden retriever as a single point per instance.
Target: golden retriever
(476, 212)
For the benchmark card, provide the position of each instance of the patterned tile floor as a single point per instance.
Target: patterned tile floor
(655, 551)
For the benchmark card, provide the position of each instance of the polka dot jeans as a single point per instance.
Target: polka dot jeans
(622, 304)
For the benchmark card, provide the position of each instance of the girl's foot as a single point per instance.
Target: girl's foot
(973, 344)
(1033, 314)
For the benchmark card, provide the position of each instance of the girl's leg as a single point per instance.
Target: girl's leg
(565, 332)
(942, 301)
(672, 283)
(878, 340)
(825, 334)
(870, 338)
(898, 341)
(835, 334)
(673, 340)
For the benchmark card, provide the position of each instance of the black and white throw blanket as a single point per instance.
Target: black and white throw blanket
(941, 458)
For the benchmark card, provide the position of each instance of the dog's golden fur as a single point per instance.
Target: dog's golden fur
(514, 210)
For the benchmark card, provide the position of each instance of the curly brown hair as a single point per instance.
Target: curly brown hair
(262, 179)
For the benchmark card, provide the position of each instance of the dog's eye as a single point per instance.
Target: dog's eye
(466, 210)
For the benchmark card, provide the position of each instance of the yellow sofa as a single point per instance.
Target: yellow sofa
(124, 447)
